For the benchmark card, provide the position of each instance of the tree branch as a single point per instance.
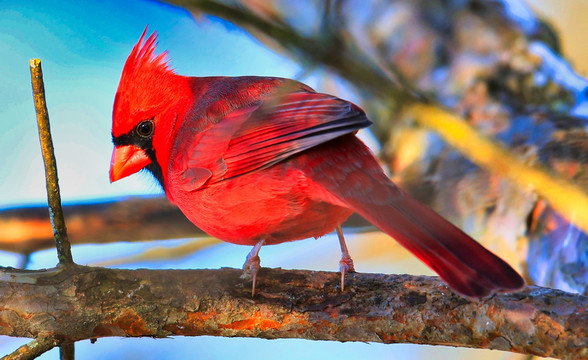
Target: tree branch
(72, 303)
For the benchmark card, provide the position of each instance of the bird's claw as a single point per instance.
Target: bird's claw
(345, 266)
(250, 269)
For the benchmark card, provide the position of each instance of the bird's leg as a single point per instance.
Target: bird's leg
(346, 263)
(251, 265)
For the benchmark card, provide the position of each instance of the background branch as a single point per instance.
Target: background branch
(138, 218)
(563, 195)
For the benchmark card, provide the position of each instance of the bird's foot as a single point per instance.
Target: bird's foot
(345, 266)
(252, 265)
(346, 263)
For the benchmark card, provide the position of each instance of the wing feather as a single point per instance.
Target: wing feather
(261, 135)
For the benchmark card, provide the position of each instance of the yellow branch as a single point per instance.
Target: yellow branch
(567, 198)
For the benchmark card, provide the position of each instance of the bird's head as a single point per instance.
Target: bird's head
(145, 109)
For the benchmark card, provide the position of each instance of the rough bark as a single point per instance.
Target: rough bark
(72, 303)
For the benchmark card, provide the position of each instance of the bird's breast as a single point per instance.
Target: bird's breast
(277, 204)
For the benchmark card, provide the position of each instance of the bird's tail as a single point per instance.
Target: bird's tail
(463, 263)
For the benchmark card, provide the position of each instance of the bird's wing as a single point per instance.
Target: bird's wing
(258, 136)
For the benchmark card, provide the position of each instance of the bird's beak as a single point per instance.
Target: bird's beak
(127, 160)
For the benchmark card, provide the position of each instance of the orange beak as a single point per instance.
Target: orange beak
(127, 160)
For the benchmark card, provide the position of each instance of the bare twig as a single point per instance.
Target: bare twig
(97, 302)
(53, 196)
(32, 350)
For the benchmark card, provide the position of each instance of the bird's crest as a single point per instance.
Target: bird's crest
(145, 81)
(142, 61)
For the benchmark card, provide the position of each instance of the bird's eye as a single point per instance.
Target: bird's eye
(145, 128)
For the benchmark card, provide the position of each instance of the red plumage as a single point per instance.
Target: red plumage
(248, 159)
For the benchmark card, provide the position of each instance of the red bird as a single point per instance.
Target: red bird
(260, 161)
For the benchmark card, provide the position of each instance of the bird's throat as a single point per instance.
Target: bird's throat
(154, 168)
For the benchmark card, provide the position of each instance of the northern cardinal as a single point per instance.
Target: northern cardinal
(261, 160)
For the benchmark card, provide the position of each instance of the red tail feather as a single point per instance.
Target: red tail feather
(464, 264)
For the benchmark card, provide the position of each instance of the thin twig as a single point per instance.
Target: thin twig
(31, 350)
(53, 196)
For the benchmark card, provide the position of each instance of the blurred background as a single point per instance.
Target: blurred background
(83, 46)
